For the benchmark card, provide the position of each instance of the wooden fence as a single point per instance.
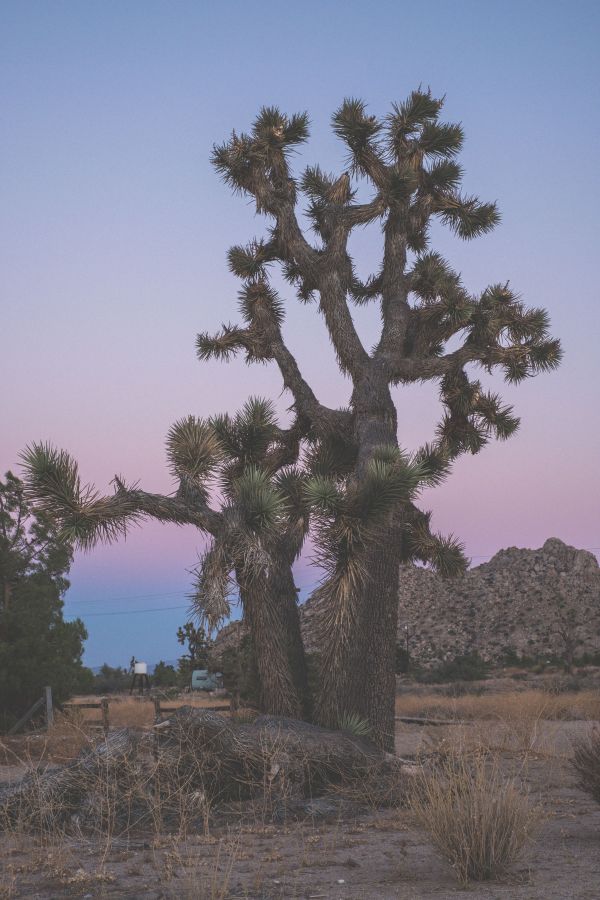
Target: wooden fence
(102, 705)
(161, 708)
(44, 700)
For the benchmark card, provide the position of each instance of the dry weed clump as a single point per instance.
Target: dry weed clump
(478, 820)
(586, 763)
(170, 781)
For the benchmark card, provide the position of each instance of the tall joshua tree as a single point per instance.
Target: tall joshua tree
(408, 161)
(255, 535)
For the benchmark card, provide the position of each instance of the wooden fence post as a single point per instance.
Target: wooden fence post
(49, 709)
(104, 703)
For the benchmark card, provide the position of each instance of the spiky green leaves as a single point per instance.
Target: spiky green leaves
(263, 312)
(442, 177)
(249, 262)
(245, 161)
(388, 481)
(472, 416)
(445, 554)
(323, 495)
(53, 481)
(441, 140)
(223, 345)
(357, 129)
(260, 305)
(272, 129)
(53, 484)
(414, 113)
(193, 451)
(467, 216)
(431, 277)
(434, 463)
(246, 437)
(260, 505)
(212, 586)
(354, 724)
(348, 514)
(319, 185)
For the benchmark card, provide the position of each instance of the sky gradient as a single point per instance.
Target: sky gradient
(114, 230)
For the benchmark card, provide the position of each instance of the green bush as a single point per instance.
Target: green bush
(164, 676)
(238, 667)
(37, 646)
(111, 680)
(464, 667)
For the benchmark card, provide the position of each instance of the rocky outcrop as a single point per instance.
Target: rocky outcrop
(530, 602)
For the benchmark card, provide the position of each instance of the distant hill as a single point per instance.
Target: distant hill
(528, 602)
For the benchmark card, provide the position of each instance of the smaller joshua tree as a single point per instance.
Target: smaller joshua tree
(193, 638)
(256, 534)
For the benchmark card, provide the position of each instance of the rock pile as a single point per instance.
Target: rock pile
(528, 602)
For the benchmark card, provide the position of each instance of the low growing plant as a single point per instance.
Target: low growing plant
(586, 763)
(477, 819)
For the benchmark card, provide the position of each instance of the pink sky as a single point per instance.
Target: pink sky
(114, 233)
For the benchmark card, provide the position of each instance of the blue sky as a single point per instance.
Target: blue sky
(114, 229)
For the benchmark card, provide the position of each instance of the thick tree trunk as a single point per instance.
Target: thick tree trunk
(376, 642)
(271, 615)
(358, 671)
(290, 617)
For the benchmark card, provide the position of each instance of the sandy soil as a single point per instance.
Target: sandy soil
(376, 855)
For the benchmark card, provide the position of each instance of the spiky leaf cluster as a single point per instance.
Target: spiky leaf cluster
(193, 452)
(53, 483)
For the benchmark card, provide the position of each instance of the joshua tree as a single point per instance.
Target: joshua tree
(193, 638)
(407, 160)
(256, 534)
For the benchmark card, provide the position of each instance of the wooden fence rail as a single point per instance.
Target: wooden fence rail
(102, 705)
(161, 707)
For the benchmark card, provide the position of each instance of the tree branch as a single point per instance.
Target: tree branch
(263, 340)
(86, 517)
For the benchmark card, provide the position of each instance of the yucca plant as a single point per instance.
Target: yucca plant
(255, 535)
(432, 330)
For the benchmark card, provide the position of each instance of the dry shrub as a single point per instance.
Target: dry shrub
(197, 878)
(130, 712)
(479, 820)
(65, 740)
(586, 763)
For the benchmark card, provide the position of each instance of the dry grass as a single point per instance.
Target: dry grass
(478, 820)
(529, 704)
(186, 864)
(586, 763)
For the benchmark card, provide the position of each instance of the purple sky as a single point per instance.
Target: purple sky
(114, 230)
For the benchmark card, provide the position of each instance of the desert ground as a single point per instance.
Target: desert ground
(358, 851)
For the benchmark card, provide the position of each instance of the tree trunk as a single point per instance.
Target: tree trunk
(358, 663)
(288, 598)
(376, 643)
(271, 615)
